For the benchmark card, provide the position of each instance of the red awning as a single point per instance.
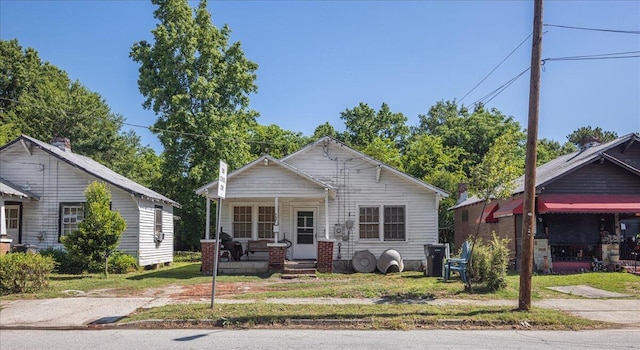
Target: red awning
(588, 203)
(487, 214)
(511, 208)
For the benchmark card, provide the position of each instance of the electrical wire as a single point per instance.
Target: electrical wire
(603, 56)
(150, 128)
(493, 94)
(496, 67)
(594, 29)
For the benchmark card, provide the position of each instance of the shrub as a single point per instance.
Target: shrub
(120, 263)
(185, 256)
(490, 262)
(65, 262)
(24, 272)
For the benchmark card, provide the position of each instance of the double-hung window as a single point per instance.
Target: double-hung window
(242, 219)
(391, 226)
(253, 221)
(266, 220)
(71, 214)
(158, 219)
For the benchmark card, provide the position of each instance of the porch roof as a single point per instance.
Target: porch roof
(210, 189)
(9, 189)
(588, 203)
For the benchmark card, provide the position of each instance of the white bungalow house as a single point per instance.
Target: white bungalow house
(42, 199)
(329, 191)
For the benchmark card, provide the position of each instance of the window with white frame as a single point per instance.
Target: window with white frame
(242, 221)
(71, 214)
(369, 222)
(394, 223)
(158, 219)
(266, 220)
(391, 226)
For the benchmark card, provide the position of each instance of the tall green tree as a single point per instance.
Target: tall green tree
(588, 134)
(474, 132)
(198, 84)
(550, 150)
(38, 99)
(275, 141)
(326, 129)
(363, 124)
(99, 232)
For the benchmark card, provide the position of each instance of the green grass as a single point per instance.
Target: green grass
(411, 284)
(397, 314)
(385, 316)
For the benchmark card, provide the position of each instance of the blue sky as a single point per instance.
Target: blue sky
(318, 58)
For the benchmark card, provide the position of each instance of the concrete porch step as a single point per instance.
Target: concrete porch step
(298, 275)
(299, 268)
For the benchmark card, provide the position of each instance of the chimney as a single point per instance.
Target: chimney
(62, 143)
(462, 192)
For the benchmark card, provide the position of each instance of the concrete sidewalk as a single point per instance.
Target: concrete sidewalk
(80, 312)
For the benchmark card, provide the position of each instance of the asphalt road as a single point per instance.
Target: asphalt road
(317, 339)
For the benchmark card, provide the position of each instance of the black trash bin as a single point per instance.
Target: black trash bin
(435, 259)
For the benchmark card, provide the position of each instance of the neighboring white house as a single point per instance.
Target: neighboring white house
(329, 191)
(42, 198)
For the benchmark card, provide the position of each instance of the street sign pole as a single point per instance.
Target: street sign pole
(222, 190)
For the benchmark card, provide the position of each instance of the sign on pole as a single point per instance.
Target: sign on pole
(222, 180)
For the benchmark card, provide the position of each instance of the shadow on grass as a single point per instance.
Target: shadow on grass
(54, 277)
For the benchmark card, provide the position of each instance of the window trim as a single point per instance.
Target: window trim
(61, 207)
(158, 209)
(255, 207)
(381, 222)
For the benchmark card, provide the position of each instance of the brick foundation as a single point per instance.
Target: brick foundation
(325, 256)
(5, 245)
(277, 252)
(208, 249)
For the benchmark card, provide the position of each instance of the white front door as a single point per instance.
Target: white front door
(12, 219)
(304, 236)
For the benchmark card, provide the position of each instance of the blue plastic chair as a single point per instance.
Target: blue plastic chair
(458, 264)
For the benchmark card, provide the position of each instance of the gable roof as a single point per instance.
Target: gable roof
(213, 185)
(9, 189)
(93, 168)
(565, 164)
(361, 155)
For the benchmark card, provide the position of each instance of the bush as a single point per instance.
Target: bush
(185, 256)
(65, 262)
(24, 272)
(120, 263)
(489, 263)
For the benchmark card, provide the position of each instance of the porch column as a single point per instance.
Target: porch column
(3, 219)
(276, 224)
(5, 241)
(277, 252)
(207, 228)
(326, 213)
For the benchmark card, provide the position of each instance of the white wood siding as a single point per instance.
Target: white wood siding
(355, 179)
(152, 252)
(56, 182)
(266, 181)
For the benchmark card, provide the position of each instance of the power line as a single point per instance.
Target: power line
(496, 67)
(493, 94)
(603, 56)
(150, 128)
(594, 29)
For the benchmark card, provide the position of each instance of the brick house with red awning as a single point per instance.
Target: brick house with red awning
(587, 207)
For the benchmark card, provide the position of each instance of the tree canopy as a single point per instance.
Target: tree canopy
(198, 84)
(40, 100)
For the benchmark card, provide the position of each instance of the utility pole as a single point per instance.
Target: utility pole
(529, 217)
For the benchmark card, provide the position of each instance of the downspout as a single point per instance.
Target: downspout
(207, 228)
(326, 213)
